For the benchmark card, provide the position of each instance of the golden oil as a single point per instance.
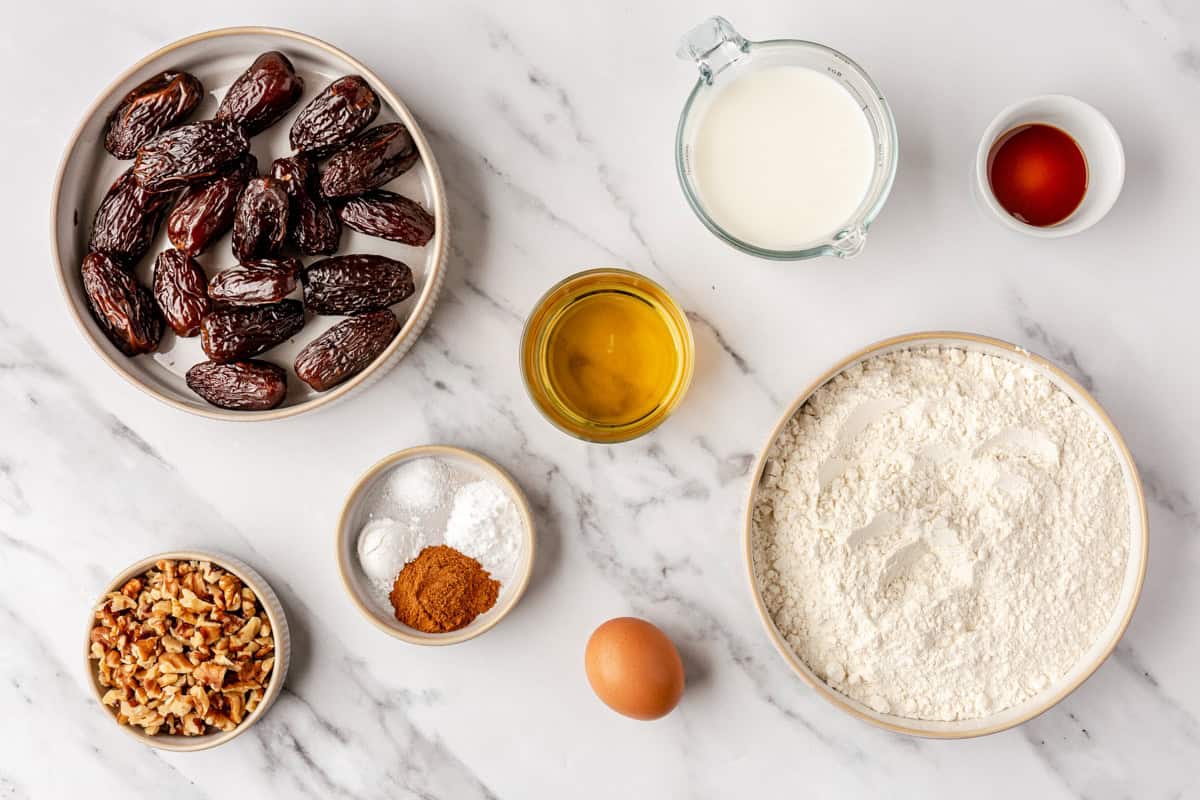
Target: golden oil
(607, 355)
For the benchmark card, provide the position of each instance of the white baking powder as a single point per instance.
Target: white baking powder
(941, 534)
(485, 524)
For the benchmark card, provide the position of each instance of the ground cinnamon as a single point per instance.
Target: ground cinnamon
(442, 590)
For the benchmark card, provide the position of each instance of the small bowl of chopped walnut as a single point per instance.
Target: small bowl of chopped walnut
(187, 649)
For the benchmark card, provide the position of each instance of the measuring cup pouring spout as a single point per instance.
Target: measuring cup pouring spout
(723, 56)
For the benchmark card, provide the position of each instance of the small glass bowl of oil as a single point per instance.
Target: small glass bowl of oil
(607, 355)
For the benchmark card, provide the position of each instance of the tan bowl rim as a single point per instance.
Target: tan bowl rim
(689, 367)
(279, 632)
(931, 338)
(437, 245)
(529, 540)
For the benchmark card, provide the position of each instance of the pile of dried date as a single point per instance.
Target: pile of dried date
(203, 179)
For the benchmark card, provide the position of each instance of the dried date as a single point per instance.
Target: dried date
(346, 349)
(127, 220)
(251, 385)
(122, 307)
(255, 283)
(204, 212)
(356, 284)
(239, 332)
(180, 287)
(153, 106)
(260, 222)
(314, 226)
(342, 109)
(389, 216)
(262, 94)
(188, 154)
(371, 160)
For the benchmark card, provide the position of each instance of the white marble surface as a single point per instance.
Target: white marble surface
(554, 124)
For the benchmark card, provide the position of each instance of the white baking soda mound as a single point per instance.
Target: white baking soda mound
(384, 547)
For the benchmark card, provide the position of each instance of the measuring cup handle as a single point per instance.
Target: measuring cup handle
(713, 45)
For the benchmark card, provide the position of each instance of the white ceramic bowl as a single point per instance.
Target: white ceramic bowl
(1090, 129)
(1089, 662)
(279, 630)
(217, 58)
(355, 515)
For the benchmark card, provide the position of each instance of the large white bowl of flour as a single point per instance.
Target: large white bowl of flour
(946, 535)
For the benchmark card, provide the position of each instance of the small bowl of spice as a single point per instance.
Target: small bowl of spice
(435, 544)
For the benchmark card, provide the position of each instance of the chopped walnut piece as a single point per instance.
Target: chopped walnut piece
(248, 632)
(210, 674)
(174, 662)
(193, 602)
(193, 583)
(237, 706)
(179, 705)
(183, 649)
(208, 632)
(220, 721)
(116, 603)
(231, 592)
(145, 649)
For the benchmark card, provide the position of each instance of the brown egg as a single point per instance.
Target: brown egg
(634, 668)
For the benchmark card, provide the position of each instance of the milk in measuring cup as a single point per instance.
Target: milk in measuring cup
(783, 157)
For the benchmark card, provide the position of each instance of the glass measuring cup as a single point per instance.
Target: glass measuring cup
(722, 55)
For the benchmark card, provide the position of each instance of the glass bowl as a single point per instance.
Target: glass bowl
(552, 309)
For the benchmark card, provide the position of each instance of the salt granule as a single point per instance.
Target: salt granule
(420, 485)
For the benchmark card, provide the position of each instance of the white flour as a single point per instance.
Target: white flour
(941, 534)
